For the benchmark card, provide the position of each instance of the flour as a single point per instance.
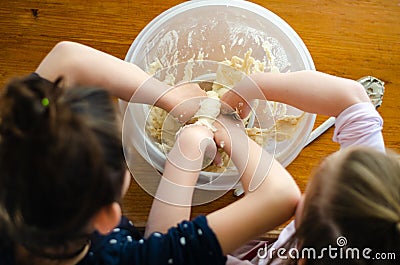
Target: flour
(163, 127)
(209, 110)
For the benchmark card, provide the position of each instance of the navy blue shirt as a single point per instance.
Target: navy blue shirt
(189, 243)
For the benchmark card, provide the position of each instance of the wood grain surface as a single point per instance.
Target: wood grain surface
(346, 38)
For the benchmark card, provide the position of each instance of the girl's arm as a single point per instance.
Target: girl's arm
(310, 91)
(82, 65)
(172, 203)
(271, 193)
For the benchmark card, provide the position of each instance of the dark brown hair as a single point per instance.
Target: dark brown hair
(61, 160)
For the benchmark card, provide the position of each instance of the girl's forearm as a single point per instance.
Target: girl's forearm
(252, 162)
(172, 202)
(80, 65)
(311, 91)
(271, 199)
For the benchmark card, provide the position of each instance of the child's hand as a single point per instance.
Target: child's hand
(240, 96)
(229, 127)
(182, 101)
(193, 145)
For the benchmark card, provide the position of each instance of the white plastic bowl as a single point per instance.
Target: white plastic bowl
(182, 32)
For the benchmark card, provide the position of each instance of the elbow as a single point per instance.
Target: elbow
(64, 45)
(67, 53)
(358, 92)
(289, 198)
(65, 57)
(355, 93)
(292, 199)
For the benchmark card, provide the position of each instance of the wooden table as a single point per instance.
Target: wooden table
(346, 38)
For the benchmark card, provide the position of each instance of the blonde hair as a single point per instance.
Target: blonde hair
(355, 195)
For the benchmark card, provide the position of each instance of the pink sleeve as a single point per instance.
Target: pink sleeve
(359, 124)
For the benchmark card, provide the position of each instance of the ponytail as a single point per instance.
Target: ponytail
(61, 160)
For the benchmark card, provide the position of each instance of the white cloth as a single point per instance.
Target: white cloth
(359, 124)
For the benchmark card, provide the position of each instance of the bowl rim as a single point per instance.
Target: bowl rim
(157, 22)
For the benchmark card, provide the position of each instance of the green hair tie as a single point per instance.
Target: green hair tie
(45, 102)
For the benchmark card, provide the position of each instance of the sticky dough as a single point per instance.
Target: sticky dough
(163, 127)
